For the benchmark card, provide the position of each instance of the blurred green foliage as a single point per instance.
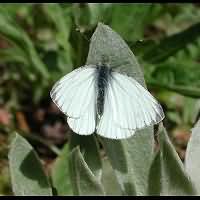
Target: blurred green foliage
(41, 42)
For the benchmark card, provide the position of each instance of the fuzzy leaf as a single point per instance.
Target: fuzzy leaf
(90, 150)
(86, 165)
(167, 174)
(107, 44)
(83, 180)
(129, 158)
(192, 163)
(109, 180)
(27, 175)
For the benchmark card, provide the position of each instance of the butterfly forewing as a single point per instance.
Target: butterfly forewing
(133, 106)
(74, 94)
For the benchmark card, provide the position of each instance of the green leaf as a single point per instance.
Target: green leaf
(10, 55)
(63, 27)
(184, 90)
(60, 173)
(129, 158)
(133, 20)
(167, 174)
(175, 75)
(172, 44)
(27, 175)
(81, 15)
(83, 180)
(192, 163)
(17, 36)
(98, 12)
(86, 16)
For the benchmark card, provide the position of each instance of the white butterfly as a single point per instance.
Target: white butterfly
(98, 99)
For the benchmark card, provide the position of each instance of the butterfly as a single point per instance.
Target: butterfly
(97, 98)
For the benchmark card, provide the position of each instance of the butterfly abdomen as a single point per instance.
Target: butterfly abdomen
(103, 74)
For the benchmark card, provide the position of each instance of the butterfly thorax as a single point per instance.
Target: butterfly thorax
(103, 74)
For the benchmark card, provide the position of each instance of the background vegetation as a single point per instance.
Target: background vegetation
(39, 43)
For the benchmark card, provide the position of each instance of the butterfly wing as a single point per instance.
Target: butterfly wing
(107, 126)
(129, 107)
(74, 94)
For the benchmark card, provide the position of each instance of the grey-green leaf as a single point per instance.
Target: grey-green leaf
(27, 175)
(155, 181)
(107, 44)
(167, 174)
(109, 179)
(84, 182)
(192, 162)
(129, 158)
(60, 173)
(90, 150)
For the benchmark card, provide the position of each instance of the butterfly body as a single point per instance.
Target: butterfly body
(103, 76)
(96, 98)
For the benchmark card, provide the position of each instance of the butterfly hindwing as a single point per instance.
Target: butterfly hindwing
(107, 126)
